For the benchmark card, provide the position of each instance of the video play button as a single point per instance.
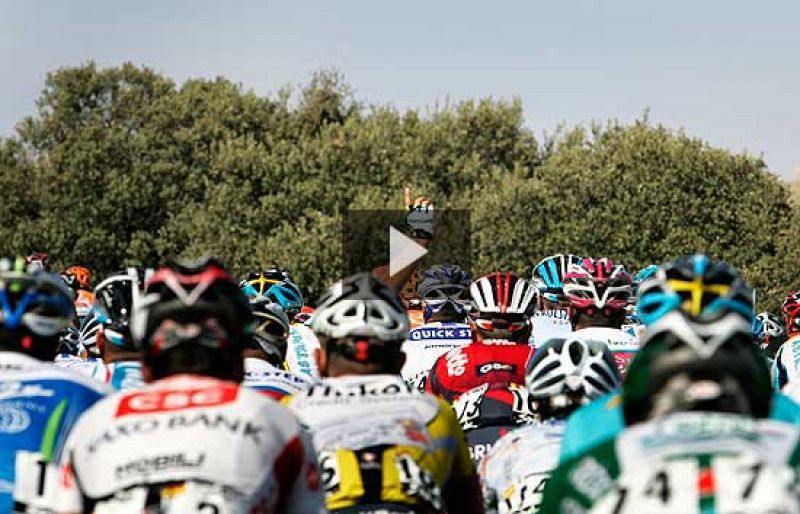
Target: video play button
(403, 251)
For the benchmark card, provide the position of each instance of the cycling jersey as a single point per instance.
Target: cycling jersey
(602, 420)
(270, 380)
(786, 365)
(39, 404)
(517, 468)
(485, 362)
(426, 343)
(549, 324)
(688, 463)
(188, 444)
(622, 344)
(380, 441)
(301, 352)
(120, 375)
(488, 412)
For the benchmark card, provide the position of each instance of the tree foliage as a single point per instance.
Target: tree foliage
(123, 166)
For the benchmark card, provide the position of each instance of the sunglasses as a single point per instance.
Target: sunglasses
(501, 324)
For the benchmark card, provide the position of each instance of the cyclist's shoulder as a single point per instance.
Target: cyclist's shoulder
(18, 368)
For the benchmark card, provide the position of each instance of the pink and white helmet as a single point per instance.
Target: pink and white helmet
(597, 286)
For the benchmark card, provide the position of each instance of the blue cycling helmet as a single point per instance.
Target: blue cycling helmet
(35, 307)
(548, 275)
(443, 291)
(645, 273)
(697, 285)
(767, 327)
(276, 285)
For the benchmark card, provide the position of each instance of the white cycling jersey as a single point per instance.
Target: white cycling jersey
(189, 444)
(301, 352)
(516, 470)
(272, 381)
(688, 463)
(549, 324)
(786, 366)
(426, 343)
(121, 375)
(623, 345)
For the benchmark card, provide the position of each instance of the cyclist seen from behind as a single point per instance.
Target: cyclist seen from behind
(563, 375)
(384, 447)
(192, 440)
(444, 294)
(39, 403)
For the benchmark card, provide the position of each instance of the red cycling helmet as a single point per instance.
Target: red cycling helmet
(502, 306)
(597, 287)
(791, 311)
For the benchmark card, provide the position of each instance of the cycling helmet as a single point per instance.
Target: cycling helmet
(687, 363)
(37, 261)
(548, 275)
(791, 311)
(87, 340)
(767, 326)
(361, 306)
(78, 277)
(68, 341)
(442, 288)
(272, 328)
(566, 373)
(115, 299)
(502, 304)
(34, 309)
(503, 293)
(699, 286)
(192, 302)
(260, 281)
(277, 286)
(597, 287)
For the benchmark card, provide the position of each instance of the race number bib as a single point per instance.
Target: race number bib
(524, 496)
(35, 482)
(670, 489)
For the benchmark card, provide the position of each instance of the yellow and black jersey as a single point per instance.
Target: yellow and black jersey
(381, 441)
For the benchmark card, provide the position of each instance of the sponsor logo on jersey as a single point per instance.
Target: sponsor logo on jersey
(478, 451)
(19, 390)
(13, 420)
(456, 362)
(147, 465)
(490, 367)
(421, 333)
(179, 399)
(147, 426)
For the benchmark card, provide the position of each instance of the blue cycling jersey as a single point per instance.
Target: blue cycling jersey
(39, 404)
(602, 420)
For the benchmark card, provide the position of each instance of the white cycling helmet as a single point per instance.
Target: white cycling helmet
(361, 306)
(571, 366)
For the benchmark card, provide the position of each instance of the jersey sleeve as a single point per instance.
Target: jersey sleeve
(435, 384)
(448, 423)
(298, 474)
(68, 496)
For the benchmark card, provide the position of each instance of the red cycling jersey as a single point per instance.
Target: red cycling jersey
(494, 363)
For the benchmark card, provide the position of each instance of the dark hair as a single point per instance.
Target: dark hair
(195, 360)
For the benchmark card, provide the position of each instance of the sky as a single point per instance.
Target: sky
(724, 70)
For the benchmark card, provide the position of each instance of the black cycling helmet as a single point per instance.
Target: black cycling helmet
(271, 332)
(686, 364)
(115, 299)
(196, 307)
